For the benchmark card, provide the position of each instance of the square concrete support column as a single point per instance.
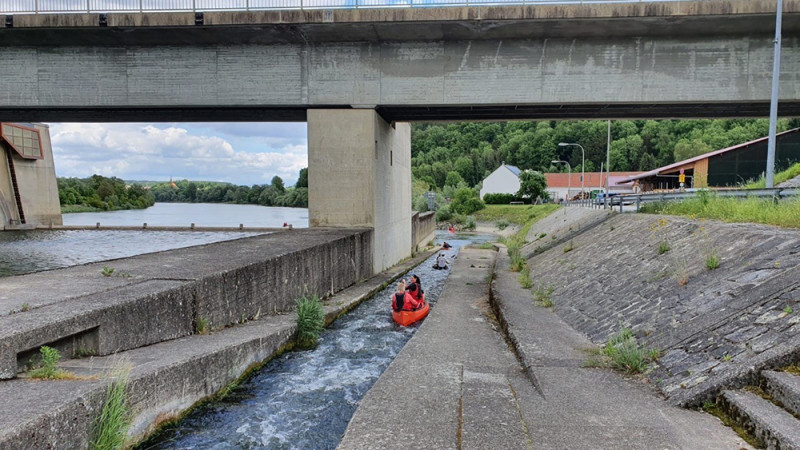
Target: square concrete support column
(359, 175)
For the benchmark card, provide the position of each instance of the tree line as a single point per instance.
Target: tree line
(102, 193)
(448, 154)
(273, 194)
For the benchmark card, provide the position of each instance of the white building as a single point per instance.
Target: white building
(504, 180)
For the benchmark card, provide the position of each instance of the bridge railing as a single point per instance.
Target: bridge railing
(638, 199)
(141, 6)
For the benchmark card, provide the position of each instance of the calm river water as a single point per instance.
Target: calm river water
(33, 251)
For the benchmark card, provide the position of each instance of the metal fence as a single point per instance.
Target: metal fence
(639, 199)
(140, 6)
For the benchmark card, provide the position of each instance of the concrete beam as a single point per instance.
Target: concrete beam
(359, 175)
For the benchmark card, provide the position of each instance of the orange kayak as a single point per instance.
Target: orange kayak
(406, 318)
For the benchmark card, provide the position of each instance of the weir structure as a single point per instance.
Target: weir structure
(358, 75)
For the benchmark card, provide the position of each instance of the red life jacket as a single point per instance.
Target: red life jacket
(404, 302)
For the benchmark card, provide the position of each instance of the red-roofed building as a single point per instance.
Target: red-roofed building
(726, 167)
(558, 183)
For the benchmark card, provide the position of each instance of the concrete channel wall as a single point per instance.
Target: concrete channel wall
(423, 228)
(713, 328)
(161, 296)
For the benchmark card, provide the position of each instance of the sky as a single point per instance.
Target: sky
(239, 153)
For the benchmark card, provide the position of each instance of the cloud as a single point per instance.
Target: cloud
(241, 155)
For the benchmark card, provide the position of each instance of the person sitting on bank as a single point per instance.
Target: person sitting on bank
(402, 300)
(415, 288)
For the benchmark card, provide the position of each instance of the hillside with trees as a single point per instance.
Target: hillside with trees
(447, 154)
(99, 193)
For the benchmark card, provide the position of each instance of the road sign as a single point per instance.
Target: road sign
(682, 178)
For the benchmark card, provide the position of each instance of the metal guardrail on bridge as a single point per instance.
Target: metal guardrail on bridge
(639, 199)
(141, 6)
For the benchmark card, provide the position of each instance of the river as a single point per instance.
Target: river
(32, 251)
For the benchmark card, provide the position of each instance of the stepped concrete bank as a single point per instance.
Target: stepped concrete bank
(160, 296)
(167, 378)
(456, 384)
(714, 328)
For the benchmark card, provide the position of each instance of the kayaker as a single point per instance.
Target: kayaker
(415, 288)
(441, 262)
(402, 300)
(446, 246)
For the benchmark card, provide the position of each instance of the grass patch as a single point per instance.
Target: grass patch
(663, 247)
(502, 224)
(48, 369)
(624, 354)
(515, 253)
(310, 320)
(785, 213)
(201, 326)
(788, 309)
(111, 426)
(712, 261)
(543, 296)
(486, 246)
(793, 369)
(517, 214)
(107, 271)
(524, 278)
(779, 178)
(569, 247)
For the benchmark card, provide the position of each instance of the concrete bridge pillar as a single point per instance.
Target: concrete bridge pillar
(359, 175)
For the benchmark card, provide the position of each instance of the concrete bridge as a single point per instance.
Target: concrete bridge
(356, 75)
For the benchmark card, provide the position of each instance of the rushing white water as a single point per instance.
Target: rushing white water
(304, 399)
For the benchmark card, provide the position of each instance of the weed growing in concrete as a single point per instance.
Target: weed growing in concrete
(788, 309)
(25, 307)
(623, 353)
(727, 358)
(310, 320)
(201, 325)
(569, 247)
(793, 369)
(48, 370)
(107, 271)
(711, 407)
(543, 296)
(502, 224)
(84, 352)
(514, 252)
(111, 426)
(486, 246)
(663, 247)
(541, 236)
(712, 261)
(524, 278)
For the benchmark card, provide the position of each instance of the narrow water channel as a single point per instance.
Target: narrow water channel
(304, 399)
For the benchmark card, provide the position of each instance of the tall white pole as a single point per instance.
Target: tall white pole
(773, 103)
(608, 161)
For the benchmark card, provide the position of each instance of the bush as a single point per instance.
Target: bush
(444, 214)
(502, 224)
(500, 199)
(469, 223)
(310, 321)
(466, 201)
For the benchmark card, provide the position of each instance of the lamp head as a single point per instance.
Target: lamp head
(563, 144)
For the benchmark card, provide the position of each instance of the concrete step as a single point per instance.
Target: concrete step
(783, 387)
(775, 427)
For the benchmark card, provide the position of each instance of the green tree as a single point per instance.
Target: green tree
(532, 185)
(302, 180)
(466, 201)
(453, 179)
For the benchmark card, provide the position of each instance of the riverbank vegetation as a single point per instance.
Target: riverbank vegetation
(780, 177)
(273, 194)
(99, 193)
(310, 321)
(706, 205)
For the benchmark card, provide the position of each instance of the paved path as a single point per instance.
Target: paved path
(469, 391)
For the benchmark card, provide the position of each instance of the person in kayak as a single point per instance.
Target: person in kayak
(441, 262)
(446, 246)
(402, 300)
(415, 288)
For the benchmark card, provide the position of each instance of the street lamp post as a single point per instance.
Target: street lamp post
(569, 176)
(773, 102)
(583, 164)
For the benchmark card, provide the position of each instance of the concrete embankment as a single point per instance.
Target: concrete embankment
(166, 378)
(160, 296)
(457, 384)
(714, 327)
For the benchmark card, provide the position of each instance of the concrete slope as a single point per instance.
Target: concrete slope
(561, 226)
(590, 408)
